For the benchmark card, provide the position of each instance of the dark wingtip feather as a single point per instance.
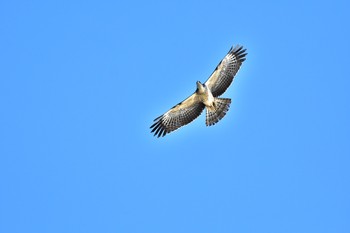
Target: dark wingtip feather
(157, 118)
(160, 132)
(154, 124)
(156, 127)
(164, 133)
(243, 51)
(238, 51)
(159, 127)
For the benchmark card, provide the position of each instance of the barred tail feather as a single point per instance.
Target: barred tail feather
(221, 107)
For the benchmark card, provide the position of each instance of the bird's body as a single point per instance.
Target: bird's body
(205, 96)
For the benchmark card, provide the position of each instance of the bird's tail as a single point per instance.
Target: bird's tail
(215, 114)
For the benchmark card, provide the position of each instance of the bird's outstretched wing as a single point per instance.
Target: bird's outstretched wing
(224, 73)
(179, 115)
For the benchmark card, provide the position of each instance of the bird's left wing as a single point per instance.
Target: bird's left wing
(178, 116)
(224, 73)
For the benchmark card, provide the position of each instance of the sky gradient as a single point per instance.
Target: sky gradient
(82, 81)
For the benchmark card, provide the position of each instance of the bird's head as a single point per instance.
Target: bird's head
(200, 87)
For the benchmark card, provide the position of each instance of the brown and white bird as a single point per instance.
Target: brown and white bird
(206, 96)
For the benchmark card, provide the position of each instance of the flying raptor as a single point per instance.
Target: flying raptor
(206, 96)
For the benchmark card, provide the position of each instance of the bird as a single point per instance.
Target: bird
(206, 96)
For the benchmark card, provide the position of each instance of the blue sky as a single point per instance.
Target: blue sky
(82, 81)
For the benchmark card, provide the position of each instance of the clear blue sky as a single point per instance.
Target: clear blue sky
(82, 81)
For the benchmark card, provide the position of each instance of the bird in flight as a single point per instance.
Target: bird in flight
(206, 96)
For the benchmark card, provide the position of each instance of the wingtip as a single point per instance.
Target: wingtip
(158, 118)
(236, 49)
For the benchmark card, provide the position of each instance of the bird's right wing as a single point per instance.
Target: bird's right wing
(224, 73)
(178, 116)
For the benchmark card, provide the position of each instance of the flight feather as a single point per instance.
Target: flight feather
(224, 73)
